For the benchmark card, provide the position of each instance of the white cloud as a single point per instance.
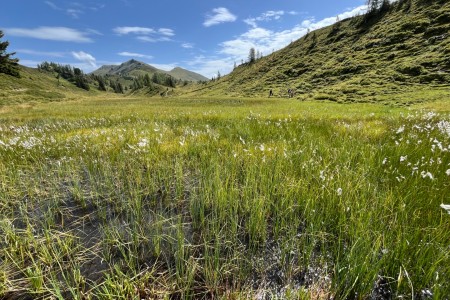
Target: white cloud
(131, 54)
(220, 15)
(146, 39)
(40, 53)
(85, 58)
(166, 31)
(62, 34)
(150, 39)
(146, 34)
(187, 45)
(257, 33)
(133, 30)
(209, 66)
(74, 13)
(268, 16)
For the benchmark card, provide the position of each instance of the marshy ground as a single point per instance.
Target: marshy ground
(224, 198)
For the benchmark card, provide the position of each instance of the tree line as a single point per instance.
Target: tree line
(67, 72)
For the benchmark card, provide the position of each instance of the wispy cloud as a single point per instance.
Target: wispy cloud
(53, 5)
(133, 30)
(74, 9)
(40, 53)
(146, 34)
(219, 15)
(187, 45)
(62, 34)
(209, 66)
(166, 31)
(268, 16)
(74, 13)
(85, 58)
(131, 54)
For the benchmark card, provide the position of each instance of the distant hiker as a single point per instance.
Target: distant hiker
(290, 93)
(270, 93)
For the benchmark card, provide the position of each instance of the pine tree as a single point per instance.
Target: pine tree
(147, 80)
(9, 66)
(101, 84)
(252, 55)
(119, 89)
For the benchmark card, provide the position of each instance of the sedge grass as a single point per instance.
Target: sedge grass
(198, 198)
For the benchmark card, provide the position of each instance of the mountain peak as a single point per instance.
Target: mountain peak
(133, 62)
(134, 68)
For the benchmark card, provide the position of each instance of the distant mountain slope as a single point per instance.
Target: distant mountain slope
(186, 75)
(135, 68)
(401, 49)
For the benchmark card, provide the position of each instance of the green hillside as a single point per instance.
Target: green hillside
(186, 75)
(398, 53)
(37, 86)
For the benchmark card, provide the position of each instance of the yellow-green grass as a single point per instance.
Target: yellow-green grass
(224, 198)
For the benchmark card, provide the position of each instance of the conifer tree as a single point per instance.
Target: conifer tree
(147, 80)
(101, 84)
(9, 66)
(252, 55)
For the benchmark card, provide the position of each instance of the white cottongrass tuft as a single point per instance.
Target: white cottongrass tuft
(427, 174)
(446, 207)
(339, 192)
(143, 143)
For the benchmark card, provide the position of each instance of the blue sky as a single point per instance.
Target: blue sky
(202, 36)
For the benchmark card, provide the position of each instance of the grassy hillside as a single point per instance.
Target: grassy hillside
(399, 53)
(36, 86)
(186, 75)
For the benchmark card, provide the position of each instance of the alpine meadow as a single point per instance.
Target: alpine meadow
(319, 171)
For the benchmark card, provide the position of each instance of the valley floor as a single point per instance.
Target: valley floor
(233, 198)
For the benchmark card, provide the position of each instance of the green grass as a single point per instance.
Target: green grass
(223, 198)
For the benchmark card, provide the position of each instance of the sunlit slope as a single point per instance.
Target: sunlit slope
(401, 54)
(37, 86)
